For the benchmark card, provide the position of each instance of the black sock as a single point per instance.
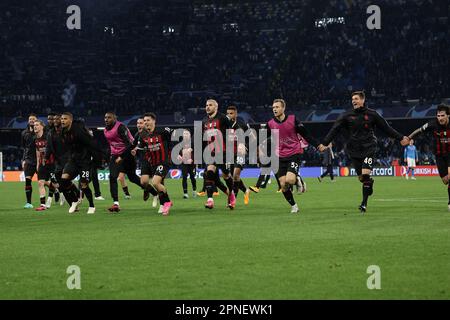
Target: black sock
(153, 191)
(278, 181)
(209, 187)
(42, 199)
(51, 191)
(448, 190)
(163, 197)
(57, 195)
(289, 197)
(260, 181)
(366, 188)
(28, 189)
(88, 192)
(266, 181)
(125, 190)
(242, 186)
(229, 182)
(236, 187)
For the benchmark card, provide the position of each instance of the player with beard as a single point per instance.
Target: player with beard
(122, 161)
(214, 127)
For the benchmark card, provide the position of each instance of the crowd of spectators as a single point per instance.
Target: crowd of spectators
(167, 56)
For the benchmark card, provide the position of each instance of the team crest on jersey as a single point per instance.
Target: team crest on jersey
(366, 117)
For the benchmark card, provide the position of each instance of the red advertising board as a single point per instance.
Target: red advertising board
(422, 171)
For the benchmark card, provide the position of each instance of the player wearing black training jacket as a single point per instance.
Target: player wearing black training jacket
(440, 131)
(57, 149)
(82, 149)
(360, 123)
(29, 157)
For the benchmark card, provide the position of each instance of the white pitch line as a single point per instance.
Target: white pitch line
(409, 200)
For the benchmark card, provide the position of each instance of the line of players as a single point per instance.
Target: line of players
(71, 151)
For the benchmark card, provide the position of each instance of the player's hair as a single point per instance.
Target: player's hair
(215, 102)
(281, 101)
(111, 112)
(443, 107)
(57, 114)
(40, 122)
(140, 117)
(234, 108)
(361, 94)
(149, 114)
(67, 114)
(32, 115)
(51, 114)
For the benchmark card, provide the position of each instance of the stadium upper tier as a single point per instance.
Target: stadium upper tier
(168, 56)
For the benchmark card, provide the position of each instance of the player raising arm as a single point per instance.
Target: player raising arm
(440, 130)
(360, 122)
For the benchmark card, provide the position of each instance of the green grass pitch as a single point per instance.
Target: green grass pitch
(260, 251)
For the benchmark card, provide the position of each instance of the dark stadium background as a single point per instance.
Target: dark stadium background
(168, 57)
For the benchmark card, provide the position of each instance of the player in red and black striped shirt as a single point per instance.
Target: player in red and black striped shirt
(214, 128)
(440, 130)
(156, 162)
(44, 166)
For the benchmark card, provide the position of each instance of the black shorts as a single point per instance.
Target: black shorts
(224, 167)
(46, 173)
(363, 163)
(159, 170)
(239, 162)
(127, 165)
(29, 168)
(188, 169)
(289, 164)
(443, 163)
(74, 169)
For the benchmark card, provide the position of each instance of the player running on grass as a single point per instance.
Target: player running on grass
(29, 157)
(440, 130)
(240, 151)
(157, 144)
(288, 148)
(44, 165)
(214, 127)
(122, 161)
(82, 148)
(58, 150)
(360, 122)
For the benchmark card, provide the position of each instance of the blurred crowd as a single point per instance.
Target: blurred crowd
(168, 56)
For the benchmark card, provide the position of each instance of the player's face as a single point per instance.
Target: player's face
(411, 142)
(31, 120)
(232, 114)
(186, 135)
(140, 124)
(65, 121)
(278, 109)
(210, 108)
(357, 101)
(442, 118)
(50, 120)
(57, 121)
(149, 123)
(38, 128)
(109, 119)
